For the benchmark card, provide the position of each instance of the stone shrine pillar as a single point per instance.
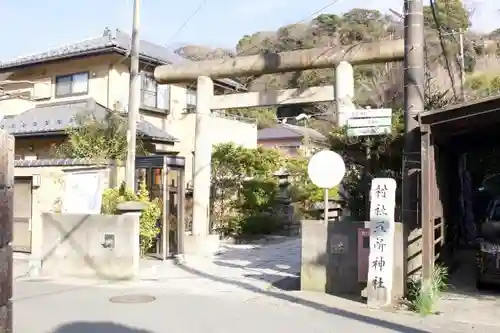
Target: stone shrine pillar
(385, 271)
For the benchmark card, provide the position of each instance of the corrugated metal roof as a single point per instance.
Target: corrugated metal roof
(118, 41)
(57, 117)
(287, 131)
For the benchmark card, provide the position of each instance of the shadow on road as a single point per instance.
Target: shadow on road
(320, 307)
(96, 327)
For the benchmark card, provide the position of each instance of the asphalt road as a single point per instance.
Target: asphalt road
(43, 307)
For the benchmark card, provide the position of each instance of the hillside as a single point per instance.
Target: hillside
(376, 85)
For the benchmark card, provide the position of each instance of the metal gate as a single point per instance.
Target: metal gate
(22, 215)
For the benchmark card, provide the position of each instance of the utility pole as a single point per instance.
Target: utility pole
(462, 63)
(414, 77)
(133, 99)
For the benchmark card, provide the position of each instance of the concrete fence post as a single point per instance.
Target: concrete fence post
(133, 210)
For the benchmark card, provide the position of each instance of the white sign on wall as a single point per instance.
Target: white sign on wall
(82, 193)
(381, 258)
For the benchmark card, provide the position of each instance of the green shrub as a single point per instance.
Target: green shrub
(149, 217)
(423, 296)
(259, 224)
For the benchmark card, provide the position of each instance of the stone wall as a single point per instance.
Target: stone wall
(46, 198)
(330, 257)
(90, 246)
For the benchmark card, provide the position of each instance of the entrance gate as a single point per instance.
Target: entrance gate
(164, 179)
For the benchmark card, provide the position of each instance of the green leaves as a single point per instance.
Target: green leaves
(148, 229)
(484, 84)
(451, 14)
(265, 117)
(91, 138)
(245, 188)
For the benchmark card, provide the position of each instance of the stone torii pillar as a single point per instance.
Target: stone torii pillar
(202, 157)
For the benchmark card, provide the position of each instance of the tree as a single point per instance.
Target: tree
(265, 117)
(304, 194)
(451, 15)
(92, 138)
(243, 187)
(483, 85)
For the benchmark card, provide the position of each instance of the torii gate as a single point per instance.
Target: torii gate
(205, 71)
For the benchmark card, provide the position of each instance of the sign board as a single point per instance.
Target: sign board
(366, 131)
(82, 193)
(382, 228)
(366, 122)
(326, 169)
(371, 113)
(369, 122)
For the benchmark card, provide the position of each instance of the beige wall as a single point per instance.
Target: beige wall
(47, 197)
(73, 246)
(223, 130)
(43, 78)
(14, 106)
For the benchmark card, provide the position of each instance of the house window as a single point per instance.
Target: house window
(73, 84)
(154, 95)
(191, 97)
(149, 91)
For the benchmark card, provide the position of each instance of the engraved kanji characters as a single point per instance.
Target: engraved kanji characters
(378, 263)
(378, 282)
(380, 244)
(381, 191)
(381, 210)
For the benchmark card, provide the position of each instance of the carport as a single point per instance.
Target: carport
(447, 135)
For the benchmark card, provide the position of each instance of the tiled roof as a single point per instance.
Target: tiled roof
(56, 117)
(117, 41)
(287, 131)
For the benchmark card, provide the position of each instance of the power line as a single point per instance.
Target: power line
(200, 6)
(298, 22)
(184, 24)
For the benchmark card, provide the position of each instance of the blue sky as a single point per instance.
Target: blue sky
(32, 26)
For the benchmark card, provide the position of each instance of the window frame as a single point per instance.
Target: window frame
(71, 93)
(191, 92)
(144, 77)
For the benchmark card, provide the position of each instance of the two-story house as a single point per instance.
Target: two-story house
(40, 94)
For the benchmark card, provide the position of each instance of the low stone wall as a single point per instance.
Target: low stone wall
(90, 246)
(47, 196)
